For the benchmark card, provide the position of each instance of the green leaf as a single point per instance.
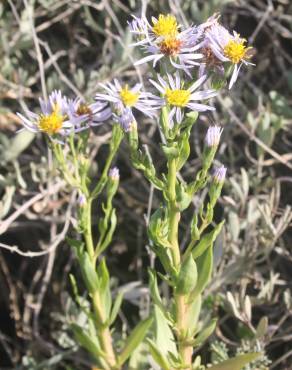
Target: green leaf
(134, 339)
(110, 232)
(205, 333)
(206, 241)
(154, 291)
(192, 315)
(190, 119)
(88, 272)
(104, 286)
(204, 266)
(187, 277)
(236, 363)
(163, 335)
(184, 149)
(116, 307)
(17, 145)
(158, 357)
(90, 344)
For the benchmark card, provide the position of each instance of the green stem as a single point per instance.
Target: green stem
(174, 214)
(180, 300)
(104, 333)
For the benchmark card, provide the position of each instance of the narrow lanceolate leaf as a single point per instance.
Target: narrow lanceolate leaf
(236, 363)
(116, 307)
(154, 291)
(90, 344)
(206, 241)
(158, 357)
(135, 338)
(187, 277)
(89, 272)
(205, 333)
(204, 266)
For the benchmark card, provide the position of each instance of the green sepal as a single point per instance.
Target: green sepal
(204, 334)
(236, 363)
(134, 339)
(187, 277)
(208, 157)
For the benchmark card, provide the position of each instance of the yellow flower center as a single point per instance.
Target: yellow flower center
(51, 123)
(179, 98)
(166, 25)
(170, 46)
(236, 51)
(128, 97)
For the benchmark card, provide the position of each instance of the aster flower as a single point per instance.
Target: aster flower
(220, 174)
(125, 97)
(126, 119)
(220, 46)
(164, 39)
(53, 118)
(213, 135)
(178, 98)
(84, 115)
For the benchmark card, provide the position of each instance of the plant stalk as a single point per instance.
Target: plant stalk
(180, 301)
(104, 333)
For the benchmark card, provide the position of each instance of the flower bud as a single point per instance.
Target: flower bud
(81, 200)
(217, 184)
(213, 135)
(113, 183)
(212, 140)
(219, 175)
(114, 174)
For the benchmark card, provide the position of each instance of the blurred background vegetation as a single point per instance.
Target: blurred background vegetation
(75, 44)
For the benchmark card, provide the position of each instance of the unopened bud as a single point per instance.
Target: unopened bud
(213, 135)
(81, 200)
(220, 174)
(114, 174)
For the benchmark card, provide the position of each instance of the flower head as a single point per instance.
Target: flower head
(124, 97)
(114, 174)
(213, 135)
(219, 174)
(165, 38)
(126, 119)
(84, 115)
(53, 118)
(178, 97)
(225, 47)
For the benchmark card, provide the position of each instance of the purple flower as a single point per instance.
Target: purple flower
(219, 174)
(213, 135)
(114, 174)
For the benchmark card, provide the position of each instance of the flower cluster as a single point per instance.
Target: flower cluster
(210, 45)
(62, 116)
